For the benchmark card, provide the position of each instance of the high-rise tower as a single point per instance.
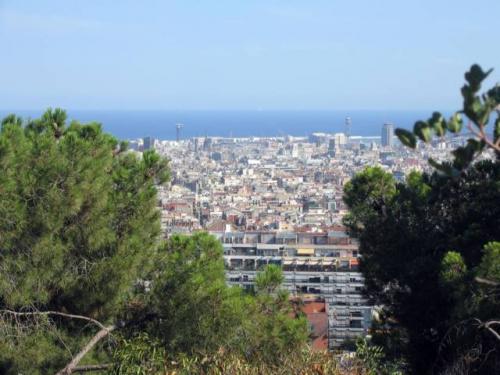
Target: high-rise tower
(387, 135)
(347, 127)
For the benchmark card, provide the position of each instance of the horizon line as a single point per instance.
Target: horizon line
(224, 110)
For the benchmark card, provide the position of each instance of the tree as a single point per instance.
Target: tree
(422, 243)
(197, 311)
(199, 316)
(78, 224)
(274, 329)
(87, 283)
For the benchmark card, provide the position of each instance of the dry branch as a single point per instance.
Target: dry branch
(47, 313)
(488, 325)
(70, 367)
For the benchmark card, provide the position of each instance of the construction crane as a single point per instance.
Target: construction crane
(178, 128)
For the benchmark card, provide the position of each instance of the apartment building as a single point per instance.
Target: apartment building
(320, 265)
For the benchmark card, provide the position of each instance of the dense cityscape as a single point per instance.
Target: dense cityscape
(278, 200)
(249, 187)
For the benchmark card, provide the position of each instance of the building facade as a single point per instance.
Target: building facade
(388, 135)
(315, 265)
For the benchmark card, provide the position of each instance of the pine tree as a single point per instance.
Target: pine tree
(78, 224)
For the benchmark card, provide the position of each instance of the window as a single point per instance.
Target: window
(355, 324)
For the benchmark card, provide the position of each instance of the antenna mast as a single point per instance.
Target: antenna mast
(178, 128)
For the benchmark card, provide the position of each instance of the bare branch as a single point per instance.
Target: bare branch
(73, 365)
(104, 331)
(47, 313)
(486, 281)
(481, 134)
(70, 367)
(488, 325)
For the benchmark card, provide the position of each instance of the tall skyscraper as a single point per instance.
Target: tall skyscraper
(348, 127)
(387, 135)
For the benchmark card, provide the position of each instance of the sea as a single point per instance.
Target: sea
(161, 124)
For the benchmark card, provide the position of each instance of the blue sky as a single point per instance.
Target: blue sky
(236, 54)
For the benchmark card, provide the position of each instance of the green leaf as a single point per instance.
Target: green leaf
(453, 268)
(124, 146)
(444, 168)
(467, 93)
(465, 155)
(438, 123)
(434, 164)
(423, 130)
(455, 124)
(494, 95)
(405, 137)
(475, 145)
(475, 76)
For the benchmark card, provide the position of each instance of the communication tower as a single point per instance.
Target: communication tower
(178, 128)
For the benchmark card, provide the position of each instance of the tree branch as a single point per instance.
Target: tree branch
(488, 325)
(486, 281)
(104, 331)
(70, 367)
(56, 313)
(481, 134)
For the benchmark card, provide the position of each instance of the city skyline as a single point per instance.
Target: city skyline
(249, 187)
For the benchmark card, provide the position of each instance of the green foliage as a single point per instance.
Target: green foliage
(269, 280)
(455, 124)
(489, 268)
(195, 313)
(369, 188)
(371, 356)
(427, 291)
(406, 137)
(80, 234)
(78, 224)
(372, 185)
(434, 301)
(373, 360)
(34, 351)
(76, 219)
(453, 268)
(304, 362)
(273, 326)
(477, 108)
(140, 355)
